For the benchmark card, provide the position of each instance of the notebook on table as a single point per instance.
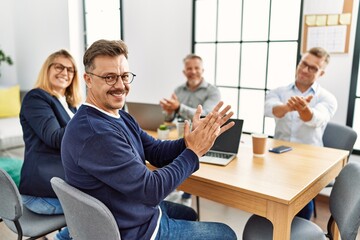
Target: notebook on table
(226, 146)
(149, 116)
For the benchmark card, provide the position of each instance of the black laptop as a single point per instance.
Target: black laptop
(226, 145)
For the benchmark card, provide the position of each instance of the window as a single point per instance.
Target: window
(353, 117)
(248, 50)
(103, 20)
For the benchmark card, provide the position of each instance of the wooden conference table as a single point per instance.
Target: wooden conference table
(276, 186)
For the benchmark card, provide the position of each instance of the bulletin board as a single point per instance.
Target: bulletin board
(330, 31)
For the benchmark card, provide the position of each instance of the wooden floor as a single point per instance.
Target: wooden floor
(211, 211)
(323, 213)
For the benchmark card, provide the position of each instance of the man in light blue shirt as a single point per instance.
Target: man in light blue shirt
(302, 109)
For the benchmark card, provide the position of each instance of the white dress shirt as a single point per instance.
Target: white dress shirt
(291, 127)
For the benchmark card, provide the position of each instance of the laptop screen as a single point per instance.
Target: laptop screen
(229, 141)
(149, 116)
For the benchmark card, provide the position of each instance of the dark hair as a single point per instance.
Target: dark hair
(320, 53)
(103, 47)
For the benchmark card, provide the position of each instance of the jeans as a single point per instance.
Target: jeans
(307, 211)
(179, 222)
(46, 206)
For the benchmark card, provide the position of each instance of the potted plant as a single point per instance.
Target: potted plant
(5, 58)
(163, 132)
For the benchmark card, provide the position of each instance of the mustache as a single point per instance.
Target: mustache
(118, 91)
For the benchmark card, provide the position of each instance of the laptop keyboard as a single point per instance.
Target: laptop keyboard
(218, 155)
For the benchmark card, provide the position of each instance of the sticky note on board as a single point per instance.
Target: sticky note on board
(333, 19)
(310, 20)
(345, 18)
(320, 20)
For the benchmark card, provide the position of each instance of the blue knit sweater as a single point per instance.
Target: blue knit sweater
(105, 157)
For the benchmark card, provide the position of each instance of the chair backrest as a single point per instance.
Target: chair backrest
(11, 207)
(339, 136)
(86, 217)
(345, 201)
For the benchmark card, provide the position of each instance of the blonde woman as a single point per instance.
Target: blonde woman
(44, 114)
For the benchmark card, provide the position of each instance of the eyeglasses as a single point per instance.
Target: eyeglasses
(111, 79)
(59, 68)
(311, 69)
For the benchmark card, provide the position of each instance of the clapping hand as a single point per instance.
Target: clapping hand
(299, 104)
(206, 130)
(170, 105)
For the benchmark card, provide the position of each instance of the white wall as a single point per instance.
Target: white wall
(31, 33)
(158, 34)
(7, 44)
(38, 33)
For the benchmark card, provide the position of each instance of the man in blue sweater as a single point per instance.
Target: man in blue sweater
(104, 152)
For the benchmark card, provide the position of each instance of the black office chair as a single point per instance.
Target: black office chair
(344, 209)
(19, 219)
(340, 137)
